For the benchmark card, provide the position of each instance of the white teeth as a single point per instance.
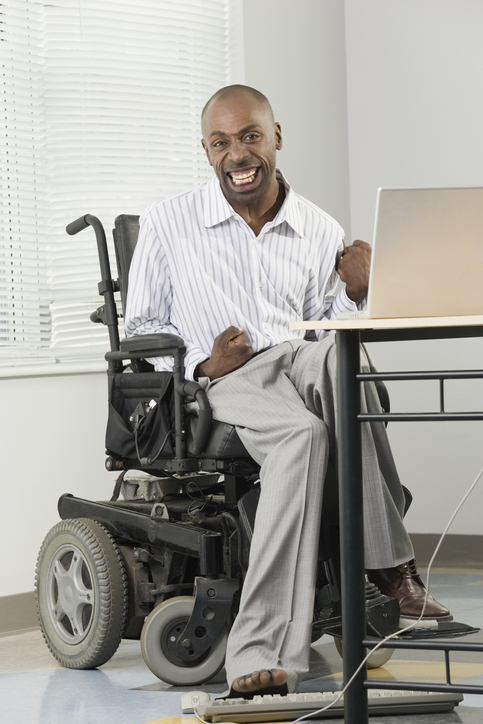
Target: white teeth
(243, 178)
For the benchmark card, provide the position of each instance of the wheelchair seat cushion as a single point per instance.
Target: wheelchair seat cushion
(223, 441)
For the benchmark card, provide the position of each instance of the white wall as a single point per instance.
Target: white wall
(414, 102)
(415, 109)
(295, 54)
(52, 432)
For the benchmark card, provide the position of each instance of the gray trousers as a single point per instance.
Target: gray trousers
(283, 403)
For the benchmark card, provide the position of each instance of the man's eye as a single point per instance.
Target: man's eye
(218, 144)
(251, 137)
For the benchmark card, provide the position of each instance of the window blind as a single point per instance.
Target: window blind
(101, 102)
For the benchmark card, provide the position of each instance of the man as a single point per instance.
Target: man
(228, 266)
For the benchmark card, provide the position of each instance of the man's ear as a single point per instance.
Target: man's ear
(207, 151)
(278, 136)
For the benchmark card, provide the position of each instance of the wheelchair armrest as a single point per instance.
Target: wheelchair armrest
(158, 342)
(147, 345)
(194, 391)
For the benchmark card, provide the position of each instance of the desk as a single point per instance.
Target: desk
(349, 335)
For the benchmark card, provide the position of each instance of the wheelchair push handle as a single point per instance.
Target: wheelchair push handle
(82, 223)
(75, 226)
(106, 285)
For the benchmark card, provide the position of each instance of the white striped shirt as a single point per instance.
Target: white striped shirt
(199, 268)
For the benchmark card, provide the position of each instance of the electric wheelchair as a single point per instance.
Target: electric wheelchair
(164, 560)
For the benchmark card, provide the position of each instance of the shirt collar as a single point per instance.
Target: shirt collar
(217, 209)
(289, 211)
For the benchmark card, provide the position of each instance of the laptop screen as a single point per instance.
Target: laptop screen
(427, 258)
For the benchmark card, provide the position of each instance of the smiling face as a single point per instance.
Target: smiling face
(241, 139)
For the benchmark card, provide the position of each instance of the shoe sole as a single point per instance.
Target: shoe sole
(424, 623)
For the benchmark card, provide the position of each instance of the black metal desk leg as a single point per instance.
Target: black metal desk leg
(351, 524)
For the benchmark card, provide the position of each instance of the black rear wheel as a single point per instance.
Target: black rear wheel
(81, 593)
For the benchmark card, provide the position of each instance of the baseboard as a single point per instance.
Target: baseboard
(457, 551)
(18, 613)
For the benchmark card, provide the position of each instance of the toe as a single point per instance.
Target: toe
(242, 683)
(259, 680)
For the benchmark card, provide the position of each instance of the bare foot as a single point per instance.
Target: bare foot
(251, 683)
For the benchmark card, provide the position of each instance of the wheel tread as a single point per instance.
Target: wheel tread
(110, 574)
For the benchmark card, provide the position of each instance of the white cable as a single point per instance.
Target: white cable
(396, 633)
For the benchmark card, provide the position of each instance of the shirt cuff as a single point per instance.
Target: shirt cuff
(345, 304)
(342, 304)
(192, 359)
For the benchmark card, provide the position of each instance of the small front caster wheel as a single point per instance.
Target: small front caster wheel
(159, 637)
(376, 659)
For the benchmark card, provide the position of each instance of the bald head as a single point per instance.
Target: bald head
(237, 92)
(241, 141)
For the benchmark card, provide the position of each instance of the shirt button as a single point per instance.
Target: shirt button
(260, 284)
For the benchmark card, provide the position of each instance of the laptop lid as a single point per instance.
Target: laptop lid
(427, 257)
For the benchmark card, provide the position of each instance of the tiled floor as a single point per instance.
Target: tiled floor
(34, 689)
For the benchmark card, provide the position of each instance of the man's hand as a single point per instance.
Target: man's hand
(230, 351)
(353, 268)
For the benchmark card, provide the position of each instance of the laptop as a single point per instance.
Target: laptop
(427, 254)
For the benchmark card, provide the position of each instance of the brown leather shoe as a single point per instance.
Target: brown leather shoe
(403, 582)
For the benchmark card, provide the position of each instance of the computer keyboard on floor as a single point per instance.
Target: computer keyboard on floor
(292, 706)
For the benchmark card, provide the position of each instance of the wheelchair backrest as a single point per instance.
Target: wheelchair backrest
(125, 234)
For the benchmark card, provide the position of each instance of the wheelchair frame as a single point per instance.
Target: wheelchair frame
(157, 555)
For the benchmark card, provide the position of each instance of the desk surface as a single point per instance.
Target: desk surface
(396, 323)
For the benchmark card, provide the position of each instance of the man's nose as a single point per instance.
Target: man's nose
(237, 152)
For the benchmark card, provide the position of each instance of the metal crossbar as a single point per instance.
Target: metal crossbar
(446, 647)
(442, 415)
